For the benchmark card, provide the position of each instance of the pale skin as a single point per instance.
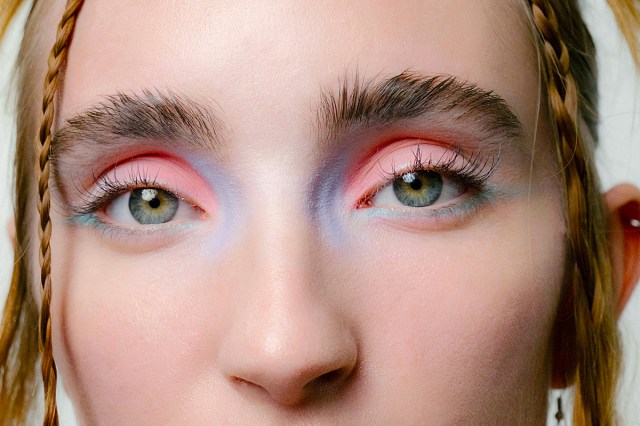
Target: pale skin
(275, 296)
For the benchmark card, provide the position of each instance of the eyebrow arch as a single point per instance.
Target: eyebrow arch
(410, 95)
(119, 119)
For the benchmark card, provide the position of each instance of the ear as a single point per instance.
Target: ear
(623, 202)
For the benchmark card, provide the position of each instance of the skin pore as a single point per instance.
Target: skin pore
(291, 285)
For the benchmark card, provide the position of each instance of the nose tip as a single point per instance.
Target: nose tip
(292, 360)
(297, 387)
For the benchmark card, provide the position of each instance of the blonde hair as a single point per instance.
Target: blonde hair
(568, 68)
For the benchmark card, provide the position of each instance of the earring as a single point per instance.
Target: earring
(635, 223)
(560, 413)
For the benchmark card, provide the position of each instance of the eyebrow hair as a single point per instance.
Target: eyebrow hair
(120, 118)
(166, 118)
(410, 95)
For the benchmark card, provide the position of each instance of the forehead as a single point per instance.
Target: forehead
(259, 55)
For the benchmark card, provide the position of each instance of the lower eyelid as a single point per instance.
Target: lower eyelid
(422, 218)
(142, 239)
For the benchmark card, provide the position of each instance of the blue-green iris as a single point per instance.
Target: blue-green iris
(151, 206)
(418, 189)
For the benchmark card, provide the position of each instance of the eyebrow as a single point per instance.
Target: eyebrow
(410, 95)
(167, 118)
(120, 118)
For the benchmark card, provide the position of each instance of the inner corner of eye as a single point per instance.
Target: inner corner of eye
(365, 201)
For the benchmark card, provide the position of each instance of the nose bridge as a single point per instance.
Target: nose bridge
(279, 281)
(287, 339)
(280, 243)
(283, 239)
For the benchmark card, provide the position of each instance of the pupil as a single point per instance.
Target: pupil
(416, 184)
(154, 203)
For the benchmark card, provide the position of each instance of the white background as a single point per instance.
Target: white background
(618, 161)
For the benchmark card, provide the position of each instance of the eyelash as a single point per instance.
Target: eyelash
(473, 171)
(110, 188)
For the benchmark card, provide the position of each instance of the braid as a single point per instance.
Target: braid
(596, 336)
(52, 80)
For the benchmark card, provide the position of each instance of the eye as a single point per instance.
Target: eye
(149, 206)
(420, 188)
(414, 179)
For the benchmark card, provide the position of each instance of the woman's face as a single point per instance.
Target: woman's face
(272, 212)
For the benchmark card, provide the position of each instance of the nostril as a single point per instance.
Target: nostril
(330, 377)
(327, 381)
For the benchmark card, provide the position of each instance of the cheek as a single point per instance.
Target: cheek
(122, 320)
(473, 309)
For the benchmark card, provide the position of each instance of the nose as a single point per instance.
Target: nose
(288, 341)
(291, 362)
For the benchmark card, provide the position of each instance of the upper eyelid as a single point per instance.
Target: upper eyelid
(449, 158)
(169, 174)
(471, 168)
